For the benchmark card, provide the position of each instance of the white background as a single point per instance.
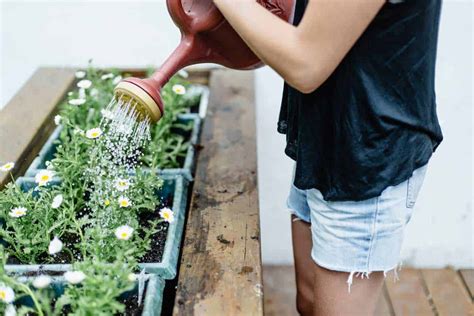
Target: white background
(140, 33)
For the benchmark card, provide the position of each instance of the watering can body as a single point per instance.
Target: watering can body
(206, 37)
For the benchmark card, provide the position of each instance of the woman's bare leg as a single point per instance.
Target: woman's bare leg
(304, 271)
(332, 298)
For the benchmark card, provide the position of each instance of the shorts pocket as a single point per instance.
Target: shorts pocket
(414, 184)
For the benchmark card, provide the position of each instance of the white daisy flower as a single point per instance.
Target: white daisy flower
(43, 177)
(10, 310)
(124, 201)
(77, 101)
(18, 212)
(42, 281)
(124, 232)
(117, 79)
(94, 133)
(107, 114)
(7, 167)
(6, 294)
(57, 119)
(122, 184)
(179, 89)
(183, 73)
(107, 76)
(132, 277)
(80, 74)
(74, 277)
(55, 246)
(84, 84)
(167, 214)
(57, 201)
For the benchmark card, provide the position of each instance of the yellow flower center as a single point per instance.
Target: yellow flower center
(124, 235)
(166, 215)
(107, 202)
(45, 178)
(3, 295)
(8, 166)
(124, 203)
(95, 134)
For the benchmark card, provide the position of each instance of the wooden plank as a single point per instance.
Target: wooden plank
(383, 307)
(468, 277)
(26, 121)
(280, 290)
(407, 295)
(447, 290)
(220, 272)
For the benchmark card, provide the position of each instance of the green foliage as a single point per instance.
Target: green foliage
(99, 292)
(28, 236)
(90, 214)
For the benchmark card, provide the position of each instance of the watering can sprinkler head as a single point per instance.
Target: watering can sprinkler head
(145, 97)
(206, 37)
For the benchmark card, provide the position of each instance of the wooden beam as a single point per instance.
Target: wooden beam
(447, 290)
(407, 295)
(220, 271)
(26, 121)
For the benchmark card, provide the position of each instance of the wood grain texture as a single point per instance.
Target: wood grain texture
(468, 278)
(407, 295)
(220, 271)
(26, 121)
(448, 292)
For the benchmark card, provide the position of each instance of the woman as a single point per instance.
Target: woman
(359, 115)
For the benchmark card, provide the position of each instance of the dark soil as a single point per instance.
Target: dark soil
(131, 304)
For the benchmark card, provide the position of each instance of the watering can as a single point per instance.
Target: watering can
(206, 37)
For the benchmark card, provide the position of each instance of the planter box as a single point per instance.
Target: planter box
(152, 300)
(49, 150)
(175, 187)
(204, 100)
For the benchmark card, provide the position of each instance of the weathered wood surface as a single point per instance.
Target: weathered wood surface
(220, 271)
(27, 120)
(448, 292)
(407, 294)
(468, 278)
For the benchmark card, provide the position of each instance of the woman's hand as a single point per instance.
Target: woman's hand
(305, 56)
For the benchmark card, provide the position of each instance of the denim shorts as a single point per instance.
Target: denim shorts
(358, 237)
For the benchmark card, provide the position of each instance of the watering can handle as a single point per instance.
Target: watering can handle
(209, 17)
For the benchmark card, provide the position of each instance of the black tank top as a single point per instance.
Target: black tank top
(373, 121)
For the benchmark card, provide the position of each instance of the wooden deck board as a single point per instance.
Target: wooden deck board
(468, 278)
(220, 272)
(279, 290)
(448, 292)
(407, 295)
(26, 121)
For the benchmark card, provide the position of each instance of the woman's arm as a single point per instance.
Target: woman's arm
(305, 56)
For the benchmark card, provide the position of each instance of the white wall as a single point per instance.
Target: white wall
(140, 33)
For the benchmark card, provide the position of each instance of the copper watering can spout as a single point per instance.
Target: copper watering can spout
(206, 37)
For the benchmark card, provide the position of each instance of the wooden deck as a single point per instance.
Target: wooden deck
(418, 292)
